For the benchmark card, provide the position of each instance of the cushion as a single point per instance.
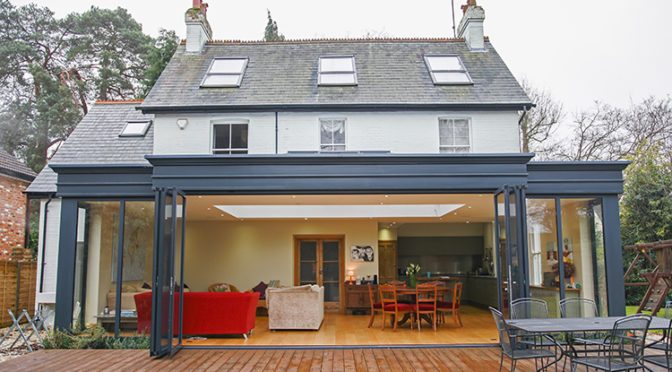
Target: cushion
(146, 285)
(426, 307)
(221, 288)
(377, 305)
(400, 307)
(261, 288)
(446, 305)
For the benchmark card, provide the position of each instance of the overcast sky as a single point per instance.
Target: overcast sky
(615, 51)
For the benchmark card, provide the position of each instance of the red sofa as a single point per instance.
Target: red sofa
(205, 313)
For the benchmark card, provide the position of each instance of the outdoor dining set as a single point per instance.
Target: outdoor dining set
(430, 301)
(582, 337)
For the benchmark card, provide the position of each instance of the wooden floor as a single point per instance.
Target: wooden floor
(412, 360)
(339, 329)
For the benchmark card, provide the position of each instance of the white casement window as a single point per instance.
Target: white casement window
(337, 71)
(454, 135)
(332, 134)
(225, 72)
(229, 138)
(447, 70)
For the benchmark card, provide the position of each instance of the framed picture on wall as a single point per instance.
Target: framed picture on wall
(361, 253)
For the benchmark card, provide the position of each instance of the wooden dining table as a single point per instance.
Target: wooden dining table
(411, 292)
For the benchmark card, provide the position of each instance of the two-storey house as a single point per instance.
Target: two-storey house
(321, 161)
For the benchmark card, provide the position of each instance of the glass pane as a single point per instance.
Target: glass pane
(308, 272)
(444, 63)
(512, 237)
(227, 66)
(165, 275)
(221, 80)
(330, 272)
(332, 148)
(331, 78)
(222, 136)
(451, 77)
(239, 136)
(462, 140)
(583, 250)
(455, 149)
(543, 252)
(503, 269)
(330, 250)
(308, 250)
(95, 265)
(331, 292)
(337, 64)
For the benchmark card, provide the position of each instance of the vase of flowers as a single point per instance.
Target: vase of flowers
(412, 270)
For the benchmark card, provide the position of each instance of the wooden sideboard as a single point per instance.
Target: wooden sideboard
(357, 297)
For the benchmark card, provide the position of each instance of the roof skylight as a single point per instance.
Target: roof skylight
(225, 72)
(447, 70)
(136, 128)
(337, 71)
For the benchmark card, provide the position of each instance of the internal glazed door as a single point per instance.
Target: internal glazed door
(319, 260)
(509, 236)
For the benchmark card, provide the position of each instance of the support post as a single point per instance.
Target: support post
(613, 256)
(67, 249)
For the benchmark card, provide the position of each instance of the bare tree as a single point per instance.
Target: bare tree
(605, 132)
(539, 124)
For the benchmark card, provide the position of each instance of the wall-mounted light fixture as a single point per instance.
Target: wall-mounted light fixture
(182, 123)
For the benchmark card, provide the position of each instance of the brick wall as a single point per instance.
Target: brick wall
(12, 214)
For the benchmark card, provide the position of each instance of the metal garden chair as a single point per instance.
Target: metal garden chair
(624, 349)
(528, 308)
(664, 360)
(511, 346)
(579, 307)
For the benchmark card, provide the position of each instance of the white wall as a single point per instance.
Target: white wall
(245, 253)
(397, 132)
(48, 295)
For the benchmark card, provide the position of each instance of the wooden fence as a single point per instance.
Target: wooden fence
(17, 288)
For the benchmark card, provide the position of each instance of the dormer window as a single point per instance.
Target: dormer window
(447, 70)
(225, 72)
(337, 70)
(136, 128)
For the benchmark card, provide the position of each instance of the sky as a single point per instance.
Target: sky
(580, 51)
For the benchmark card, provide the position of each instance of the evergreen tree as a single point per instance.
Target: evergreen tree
(271, 33)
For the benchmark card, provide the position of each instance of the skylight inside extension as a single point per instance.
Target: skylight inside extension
(225, 72)
(337, 70)
(135, 128)
(447, 70)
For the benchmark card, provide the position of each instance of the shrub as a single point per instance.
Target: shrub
(92, 338)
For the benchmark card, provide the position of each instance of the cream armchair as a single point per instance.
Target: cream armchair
(295, 307)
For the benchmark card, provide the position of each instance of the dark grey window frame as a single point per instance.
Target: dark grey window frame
(240, 74)
(147, 123)
(459, 60)
(353, 72)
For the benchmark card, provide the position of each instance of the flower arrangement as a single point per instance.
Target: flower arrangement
(412, 269)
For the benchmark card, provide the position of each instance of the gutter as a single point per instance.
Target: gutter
(276, 132)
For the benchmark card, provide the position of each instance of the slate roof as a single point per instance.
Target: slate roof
(96, 139)
(389, 72)
(11, 166)
(45, 182)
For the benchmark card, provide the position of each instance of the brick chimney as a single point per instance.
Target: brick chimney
(471, 25)
(198, 27)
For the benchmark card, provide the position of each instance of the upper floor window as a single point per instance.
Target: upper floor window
(332, 134)
(454, 135)
(229, 138)
(337, 71)
(447, 70)
(225, 72)
(136, 128)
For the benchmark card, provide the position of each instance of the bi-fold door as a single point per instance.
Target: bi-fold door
(168, 282)
(510, 245)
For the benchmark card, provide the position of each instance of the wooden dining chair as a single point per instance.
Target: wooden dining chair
(425, 302)
(390, 304)
(453, 306)
(375, 306)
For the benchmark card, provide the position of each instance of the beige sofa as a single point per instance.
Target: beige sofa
(295, 307)
(127, 293)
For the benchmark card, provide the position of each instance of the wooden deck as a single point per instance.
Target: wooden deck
(344, 360)
(412, 360)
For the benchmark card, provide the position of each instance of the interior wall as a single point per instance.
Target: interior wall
(244, 253)
(440, 229)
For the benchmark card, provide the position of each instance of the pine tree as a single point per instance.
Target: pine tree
(271, 33)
